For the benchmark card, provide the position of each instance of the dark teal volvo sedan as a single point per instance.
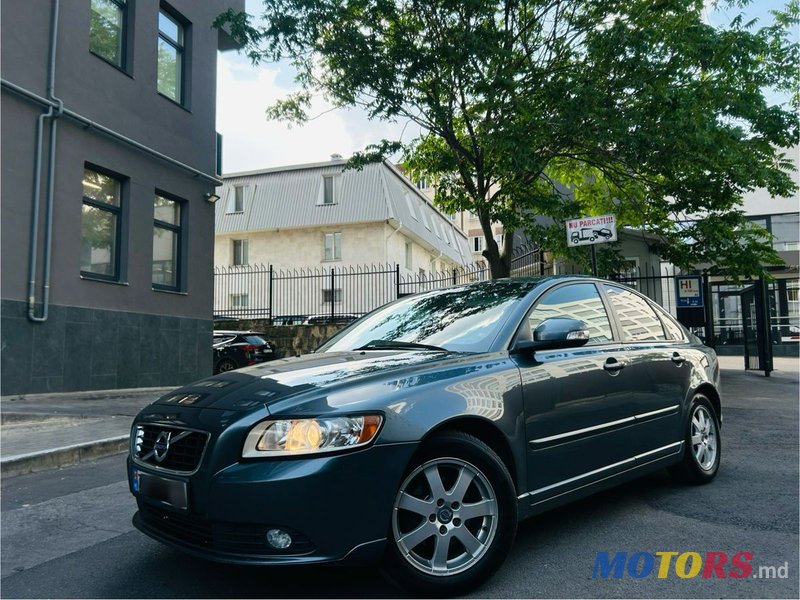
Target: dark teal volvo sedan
(422, 433)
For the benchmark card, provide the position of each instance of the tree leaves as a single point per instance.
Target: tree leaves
(560, 108)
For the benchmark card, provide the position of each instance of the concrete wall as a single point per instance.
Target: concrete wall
(288, 340)
(127, 102)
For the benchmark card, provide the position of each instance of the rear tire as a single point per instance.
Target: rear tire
(454, 518)
(225, 365)
(702, 444)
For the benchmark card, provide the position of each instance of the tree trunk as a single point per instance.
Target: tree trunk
(499, 262)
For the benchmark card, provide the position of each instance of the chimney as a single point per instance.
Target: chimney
(336, 156)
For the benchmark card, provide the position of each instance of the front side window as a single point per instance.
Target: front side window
(100, 223)
(166, 242)
(333, 246)
(240, 249)
(170, 57)
(639, 321)
(107, 30)
(577, 301)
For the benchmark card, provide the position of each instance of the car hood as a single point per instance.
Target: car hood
(267, 383)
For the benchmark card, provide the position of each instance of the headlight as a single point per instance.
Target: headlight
(291, 437)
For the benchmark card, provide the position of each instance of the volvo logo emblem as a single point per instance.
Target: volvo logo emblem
(161, 447)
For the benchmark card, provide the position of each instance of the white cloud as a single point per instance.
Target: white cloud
(251, 142)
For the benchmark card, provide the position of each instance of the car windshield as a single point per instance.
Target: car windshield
(459, 319)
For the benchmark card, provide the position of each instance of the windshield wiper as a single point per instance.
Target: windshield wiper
(399, 345)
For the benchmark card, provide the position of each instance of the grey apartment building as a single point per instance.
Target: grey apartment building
(109, 165)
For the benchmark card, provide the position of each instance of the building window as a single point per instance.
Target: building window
(477, 243)
(238, 198)
(107, 30)
(422, 183)
(334, 295)
(410, 204)
(333, 246)
(240, 300)
(785, 230)
(240, 248)
(171, 56)
(409, 255)
(327, 193)
(100, 225)
(166, 243)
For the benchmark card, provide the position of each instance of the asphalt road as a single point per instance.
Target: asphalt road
(67, 533)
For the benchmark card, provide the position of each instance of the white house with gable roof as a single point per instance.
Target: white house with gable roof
(321, 215)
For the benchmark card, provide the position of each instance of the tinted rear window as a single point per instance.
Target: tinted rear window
(255, 340)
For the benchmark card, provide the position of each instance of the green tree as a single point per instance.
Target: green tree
(639, 106)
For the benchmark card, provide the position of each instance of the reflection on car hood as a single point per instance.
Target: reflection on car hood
(276, 380)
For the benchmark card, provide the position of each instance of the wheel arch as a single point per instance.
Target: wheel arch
(710, 392)
(488, 433)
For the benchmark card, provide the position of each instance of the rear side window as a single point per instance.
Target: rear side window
(577, 301)
(638, 320)
(674, 331)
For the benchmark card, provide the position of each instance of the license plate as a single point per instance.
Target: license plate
(168, 491)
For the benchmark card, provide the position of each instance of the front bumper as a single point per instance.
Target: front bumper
(337, 508)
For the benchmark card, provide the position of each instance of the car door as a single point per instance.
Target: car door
(657, 370)
(578, 402)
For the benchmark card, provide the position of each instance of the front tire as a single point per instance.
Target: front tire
(702, 444)
(454, 517)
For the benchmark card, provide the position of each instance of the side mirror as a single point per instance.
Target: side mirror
(556, 332)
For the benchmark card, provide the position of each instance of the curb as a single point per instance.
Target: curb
(91, 394)
(63, 457)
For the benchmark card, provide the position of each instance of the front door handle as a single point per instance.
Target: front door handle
(678, 359)
(613, 366)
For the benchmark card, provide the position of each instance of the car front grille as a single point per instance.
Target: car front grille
(198, 531)
(183, 454)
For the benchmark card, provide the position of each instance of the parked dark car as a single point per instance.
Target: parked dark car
(237, 349)
(342, 319)
(422, 433)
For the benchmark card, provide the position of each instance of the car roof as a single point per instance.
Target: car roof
(233, 332)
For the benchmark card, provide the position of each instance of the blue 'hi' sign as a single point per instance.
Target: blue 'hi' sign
(690, 290)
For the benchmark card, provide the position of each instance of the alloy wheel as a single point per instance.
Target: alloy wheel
(445, 516)
(704, 438)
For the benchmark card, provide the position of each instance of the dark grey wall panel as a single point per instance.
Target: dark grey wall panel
(90, 349)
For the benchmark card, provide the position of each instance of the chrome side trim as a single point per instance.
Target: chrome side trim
(657, 412)
(567, 434)
(657, 450)
(576, 478)
(575, 432)
(633, 459)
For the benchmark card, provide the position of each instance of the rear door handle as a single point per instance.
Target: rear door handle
(678, 359)
(613, 366)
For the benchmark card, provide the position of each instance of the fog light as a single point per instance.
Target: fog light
(279, 539)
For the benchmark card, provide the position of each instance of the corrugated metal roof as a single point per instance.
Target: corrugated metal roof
(292, 197)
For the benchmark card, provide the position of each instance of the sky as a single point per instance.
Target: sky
(252, 142)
